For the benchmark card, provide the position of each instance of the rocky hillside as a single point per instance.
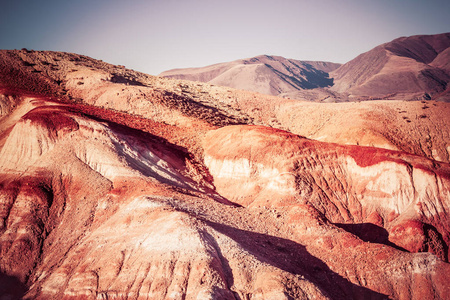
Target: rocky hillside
(415, 67)
(271, 75)
(407, 68)
(117, 184)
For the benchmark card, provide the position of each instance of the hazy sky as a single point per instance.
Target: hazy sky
(156, 35)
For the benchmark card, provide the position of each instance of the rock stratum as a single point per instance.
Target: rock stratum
(119, 185)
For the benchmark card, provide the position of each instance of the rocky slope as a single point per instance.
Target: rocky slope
(116, 184)
(409, 68)
(347, 184)
(414, 127)
(271, 75)
(413, 67)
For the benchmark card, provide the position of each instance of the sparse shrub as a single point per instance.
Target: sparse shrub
(80, 82)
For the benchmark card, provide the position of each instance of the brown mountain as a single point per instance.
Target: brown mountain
(271, 75)
(415, 67)
(410, 68)
(117, 184)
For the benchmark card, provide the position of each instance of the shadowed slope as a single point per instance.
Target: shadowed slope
(272, 75)
(403, 68)
(257, 166)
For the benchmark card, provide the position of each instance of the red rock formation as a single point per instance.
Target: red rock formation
(257, 166)
(131, 186)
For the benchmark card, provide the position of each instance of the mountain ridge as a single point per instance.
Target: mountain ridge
(271, 74)
(402, 66)
(409, 68)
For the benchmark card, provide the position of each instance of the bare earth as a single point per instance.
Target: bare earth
(407, 68)
(117, 184)
(271, 75)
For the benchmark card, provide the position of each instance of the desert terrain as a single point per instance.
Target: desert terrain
(407, 68)
(116, 184)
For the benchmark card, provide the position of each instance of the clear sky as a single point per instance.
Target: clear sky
(156, 35)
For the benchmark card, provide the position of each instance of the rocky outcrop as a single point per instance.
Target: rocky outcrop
(405, 194)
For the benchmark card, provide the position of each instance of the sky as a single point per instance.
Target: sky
(156, 35)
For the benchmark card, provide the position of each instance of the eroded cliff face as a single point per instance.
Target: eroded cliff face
(402, 193)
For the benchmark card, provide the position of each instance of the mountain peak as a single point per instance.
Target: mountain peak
(402, 69)
(411, 68)
(267, 74)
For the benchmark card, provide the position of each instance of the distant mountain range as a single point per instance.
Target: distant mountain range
(272, 75)
(411, 68)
